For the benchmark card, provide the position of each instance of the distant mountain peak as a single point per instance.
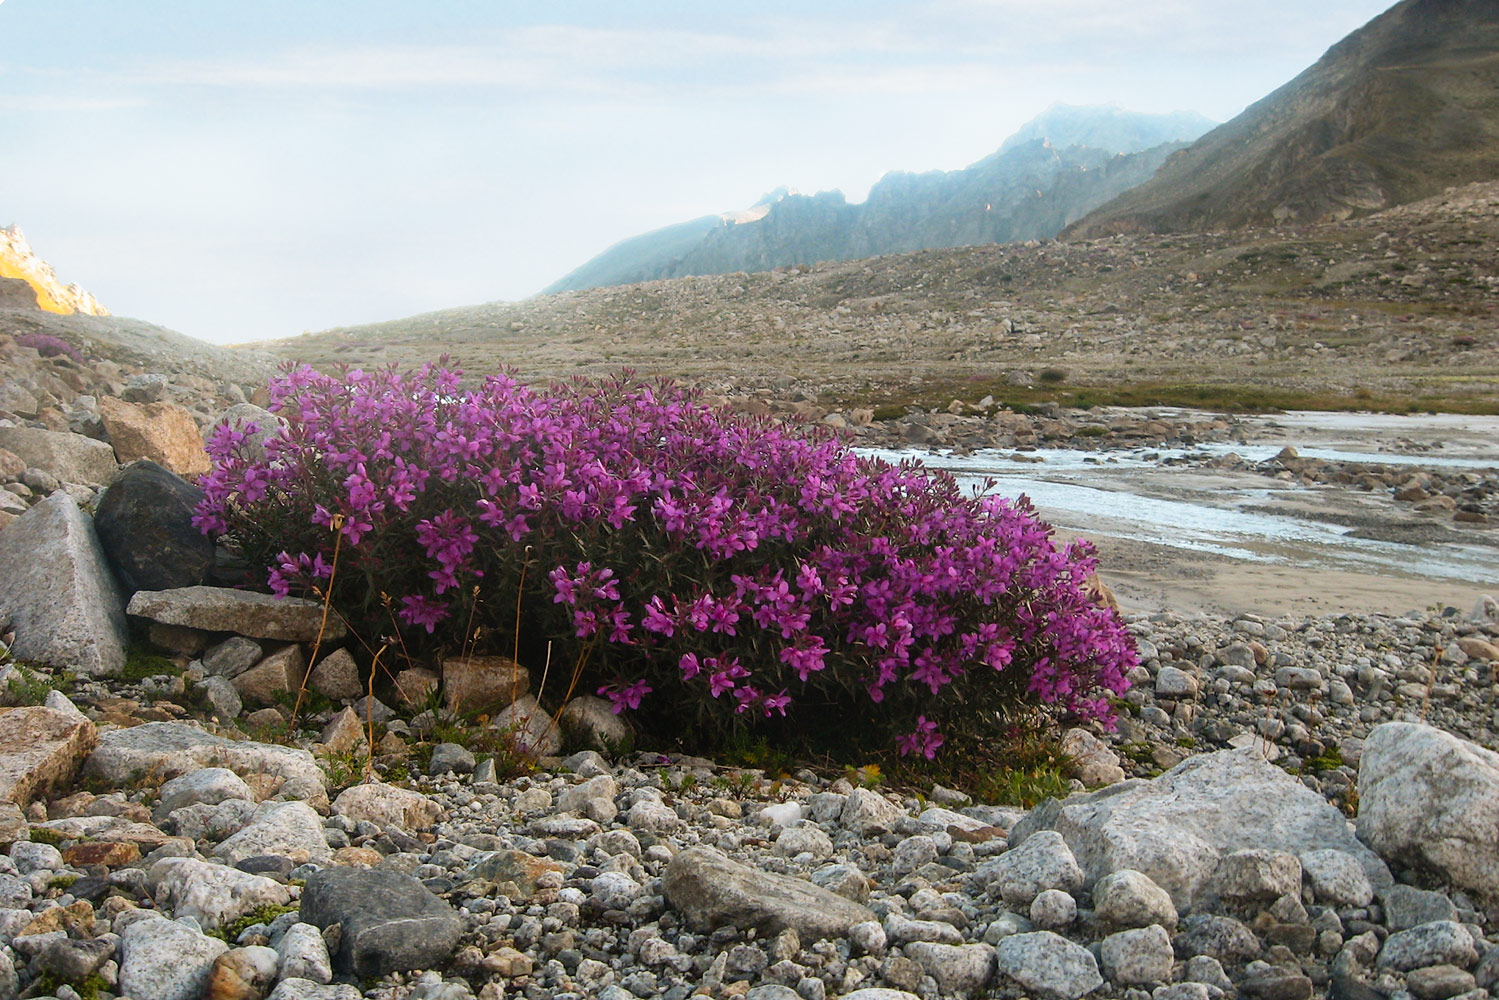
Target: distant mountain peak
(18, 262)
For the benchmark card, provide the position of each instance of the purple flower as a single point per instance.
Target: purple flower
(924, 741)
(625, 695)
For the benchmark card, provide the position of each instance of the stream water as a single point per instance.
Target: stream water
(1244, 515)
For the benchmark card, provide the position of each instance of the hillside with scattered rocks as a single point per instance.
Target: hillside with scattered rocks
(1393, 310)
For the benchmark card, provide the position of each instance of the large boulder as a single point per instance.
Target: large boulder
(41, 750)
(168, 749)
(1174, 828)
(212, 894)
(145, 524)
(65, 605)
(388, 922)
(243, 612)
(72, 458)
(163, 432)
(286, 829)
(712, 891)
(1430, 800)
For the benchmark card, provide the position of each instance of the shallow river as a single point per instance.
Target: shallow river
(1247, 516)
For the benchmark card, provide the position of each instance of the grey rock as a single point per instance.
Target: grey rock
(1442, 942)
(306, 989)
(218, 609)
(169, 749)
(1173, 682)
(289, 829)
(212, 894)
(1429, 799)
(1256, 874)
(389, 922)
(145, 388)
(1053, 909)
(1175, 827)
(272, 677)
(64, 603)
(336, 676)
(711, 891)
(165, 960)
(451, 757)
(1043, 861)
(1129, 898)
(1218, 937)
(1048, 964)
(593, 722)
(958, 969)
(866, 812)
(303, 954)
(530, 725)
(73, 961)
(1138, 956)
(593, 798)
(1336, 877)
(804, 838)
(1405, 907)
(221, 696)
(242, 973)
(72, 458)
(1273, 982)
(208, 785)
(233, 656)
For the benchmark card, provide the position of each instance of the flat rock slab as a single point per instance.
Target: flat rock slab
(72, 458)
(243, 612)
(41, 750)
(712, 891)
(1174, 828)
(1430, 800)
(390, 922)
(169, 749)
(65, 605)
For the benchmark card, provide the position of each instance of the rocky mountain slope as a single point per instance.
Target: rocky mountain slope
(1397, 111)
(1058, 167)
(1393, 309)
(19, 263)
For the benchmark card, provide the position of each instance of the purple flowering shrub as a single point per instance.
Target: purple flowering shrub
(709, 571)
(49, 346)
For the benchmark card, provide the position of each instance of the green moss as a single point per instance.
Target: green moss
(62, 882)
(42, 835)
(231, 931)
(141, 663)
(47, 984)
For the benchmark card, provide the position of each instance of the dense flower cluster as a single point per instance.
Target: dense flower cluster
(49, 346)
(707, 568)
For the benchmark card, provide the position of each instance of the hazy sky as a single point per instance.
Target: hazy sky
(253, 169)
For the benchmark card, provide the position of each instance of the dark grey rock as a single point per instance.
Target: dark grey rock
(145, 526)
(388, 922)
(451, 757)
(1405, 907)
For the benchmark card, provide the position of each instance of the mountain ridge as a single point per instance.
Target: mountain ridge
(1399, 110)
(1028, 189)
(19, 263)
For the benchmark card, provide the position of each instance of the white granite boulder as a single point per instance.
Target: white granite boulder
(1174, 828)
(213, 894)
(1430, 800)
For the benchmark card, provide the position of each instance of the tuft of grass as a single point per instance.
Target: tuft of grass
(28, 686)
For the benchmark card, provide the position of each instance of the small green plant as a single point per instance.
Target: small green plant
(744, 750)
(1053, 376)
(1328, 760)
(43, 835)
(1092, 431)
(1025, 788)
(27, 686)
(866, 776)
(231, 931)
(142, 663)
(345, 769)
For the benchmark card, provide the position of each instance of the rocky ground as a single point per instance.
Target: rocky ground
(1290, 806)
